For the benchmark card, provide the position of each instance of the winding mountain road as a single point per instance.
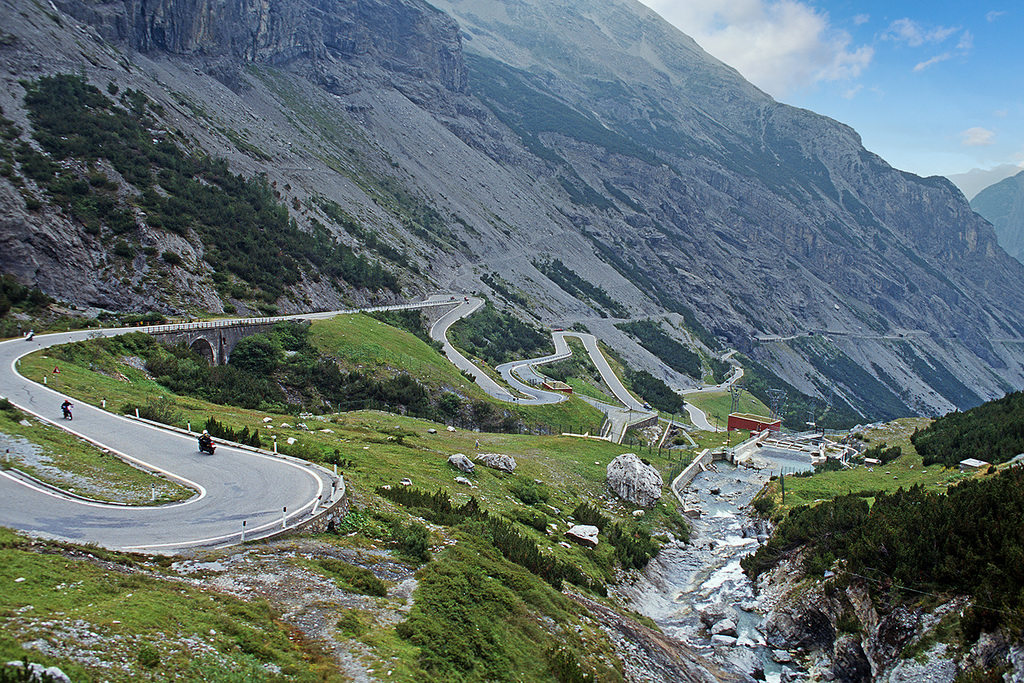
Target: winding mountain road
(237, 488)
(231, 487)
(266, 492)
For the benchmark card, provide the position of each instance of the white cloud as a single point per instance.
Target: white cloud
(779, 45)
(992, 16)
(921, 66)
(977, 137)
(916, 34)
(861, 19)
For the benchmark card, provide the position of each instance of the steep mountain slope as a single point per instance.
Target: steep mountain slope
(1002, 205)
(463, 147)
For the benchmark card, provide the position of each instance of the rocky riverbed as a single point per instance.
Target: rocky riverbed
(697, 592)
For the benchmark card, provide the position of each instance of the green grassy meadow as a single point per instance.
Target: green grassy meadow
(121, 609)
(903, 472)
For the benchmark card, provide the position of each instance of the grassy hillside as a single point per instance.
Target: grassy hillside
(484, 610)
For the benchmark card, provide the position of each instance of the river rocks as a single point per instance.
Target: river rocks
(460, 462)
(497, 461)
(634, 481)
(584, 534)
(725, 627)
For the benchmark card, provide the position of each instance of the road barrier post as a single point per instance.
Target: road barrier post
(284, 517)
(243, 531)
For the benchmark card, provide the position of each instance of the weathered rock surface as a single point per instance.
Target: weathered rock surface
(497, 461)
(584, 534)
(632, 480)
(460, 462)
(799, 227)
(804, 616)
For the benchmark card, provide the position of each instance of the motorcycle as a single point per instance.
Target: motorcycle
(67, 411)
(206, 447)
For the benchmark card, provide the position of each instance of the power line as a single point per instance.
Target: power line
(934, 595)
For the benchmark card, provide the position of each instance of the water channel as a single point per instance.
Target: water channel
(691, 589)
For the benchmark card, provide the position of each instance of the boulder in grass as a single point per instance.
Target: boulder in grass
(497, 461)
(584, 534)
(460, 462)
(634, 481)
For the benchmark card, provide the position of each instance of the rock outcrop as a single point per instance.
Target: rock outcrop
(584, 534)
(837, 633)
(498, 461)
(460, 462)
(633, 480)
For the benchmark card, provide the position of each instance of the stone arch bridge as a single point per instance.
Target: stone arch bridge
(214, 341)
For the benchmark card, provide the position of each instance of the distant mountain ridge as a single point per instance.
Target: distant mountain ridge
(461, 144)
(977, 179)
(1002, 205)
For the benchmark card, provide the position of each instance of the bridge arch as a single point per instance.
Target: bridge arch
(204, 348)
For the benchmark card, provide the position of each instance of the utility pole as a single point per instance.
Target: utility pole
(777, 401)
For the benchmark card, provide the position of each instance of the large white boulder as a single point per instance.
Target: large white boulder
(634, 481)
(584, 534)
(498, 461)
(460, 462)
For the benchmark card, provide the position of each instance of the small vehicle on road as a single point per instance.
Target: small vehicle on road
(206, 444)
(66, 407)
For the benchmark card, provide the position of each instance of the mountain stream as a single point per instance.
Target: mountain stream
(697, 592)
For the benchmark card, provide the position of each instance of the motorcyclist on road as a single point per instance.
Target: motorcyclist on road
(206, 442)
(66, 406)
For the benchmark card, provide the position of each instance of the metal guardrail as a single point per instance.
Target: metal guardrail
(233, 322)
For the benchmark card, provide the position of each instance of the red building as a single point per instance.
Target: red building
(752, 423)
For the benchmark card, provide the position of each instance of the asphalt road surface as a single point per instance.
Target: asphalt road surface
(231, 487)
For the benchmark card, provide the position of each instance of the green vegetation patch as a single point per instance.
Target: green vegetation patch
(655, 391)
(246, 232)
(499, 337)
(967, 541)
(350, 577)
(866, 394)
(993, 432)
(52, 455)
(93, 608)
(575, 286)
(474, 619)
(759, 381)
(652, 336)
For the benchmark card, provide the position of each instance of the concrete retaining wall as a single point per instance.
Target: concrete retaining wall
(699, 464)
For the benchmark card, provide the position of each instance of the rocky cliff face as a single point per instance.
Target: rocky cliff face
(481, 137)
(408, 38)
(834, 630)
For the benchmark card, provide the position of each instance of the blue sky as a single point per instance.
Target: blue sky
(934, 87)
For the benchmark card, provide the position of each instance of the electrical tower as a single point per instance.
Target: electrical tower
(776, 401)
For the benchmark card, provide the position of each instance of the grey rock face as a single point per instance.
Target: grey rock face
(725, 627)
(584, 534)
(497, 461)
(634, 481)
(692, 177)
(460, 462)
